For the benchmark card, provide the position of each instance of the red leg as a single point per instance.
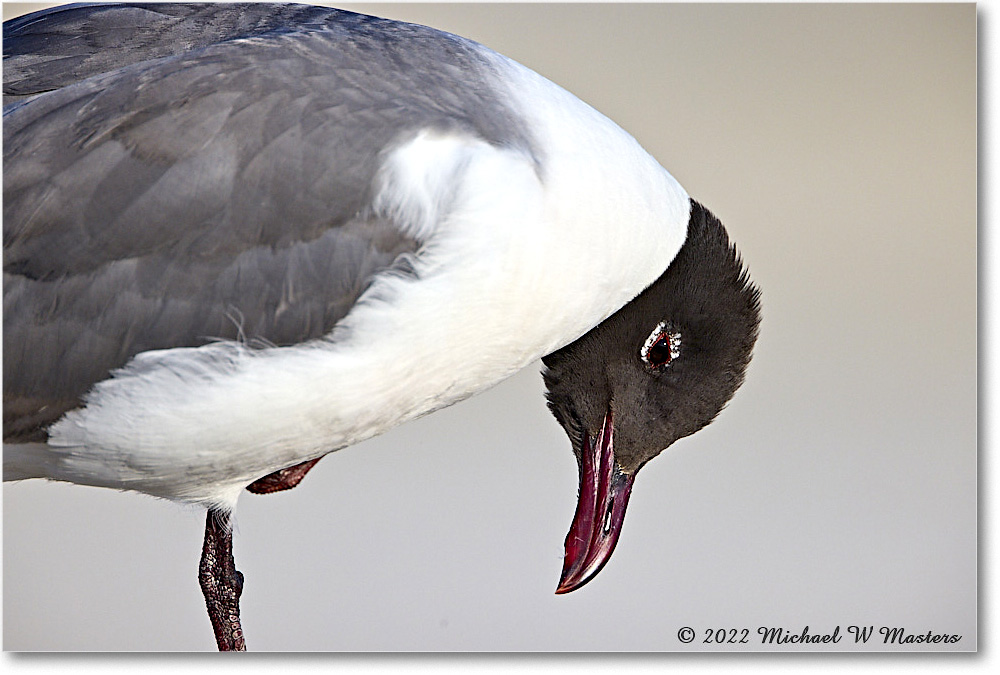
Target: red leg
(285, 479)
(221, 583)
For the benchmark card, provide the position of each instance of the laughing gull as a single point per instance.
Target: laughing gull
(240, 237)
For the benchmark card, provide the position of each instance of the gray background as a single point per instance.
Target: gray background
(838, 144)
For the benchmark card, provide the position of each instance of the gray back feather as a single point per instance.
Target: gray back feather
(207, 177)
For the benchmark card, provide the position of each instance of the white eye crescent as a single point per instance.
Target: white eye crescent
(661, 347)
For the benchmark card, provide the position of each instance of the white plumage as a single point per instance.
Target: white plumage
(507, 242)
(288, 229)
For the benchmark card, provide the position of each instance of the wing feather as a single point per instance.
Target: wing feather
(167, 197)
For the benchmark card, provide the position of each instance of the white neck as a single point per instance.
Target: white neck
(520, 259)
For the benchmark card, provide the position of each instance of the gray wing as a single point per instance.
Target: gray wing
(217, 193)
(56, 47)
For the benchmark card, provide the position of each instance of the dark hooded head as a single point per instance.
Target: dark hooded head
(659, 369)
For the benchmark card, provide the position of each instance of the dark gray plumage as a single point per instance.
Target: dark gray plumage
(164, 178)
(659, 369)
(706, 296)
(178, 174)
(56, 47)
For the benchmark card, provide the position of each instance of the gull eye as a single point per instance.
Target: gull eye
(661, 347)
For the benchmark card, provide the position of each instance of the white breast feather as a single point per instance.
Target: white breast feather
(507, 243)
